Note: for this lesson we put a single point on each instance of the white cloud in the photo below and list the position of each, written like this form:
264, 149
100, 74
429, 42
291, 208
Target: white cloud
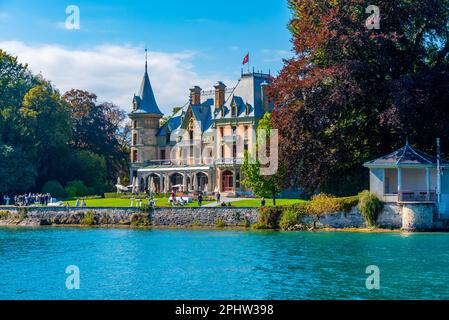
114, 72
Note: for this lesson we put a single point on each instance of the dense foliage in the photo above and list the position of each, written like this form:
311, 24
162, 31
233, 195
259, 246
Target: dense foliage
370, 207
290, 217
351, 94
48, 140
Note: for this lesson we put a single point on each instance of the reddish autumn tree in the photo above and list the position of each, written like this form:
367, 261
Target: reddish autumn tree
352, 93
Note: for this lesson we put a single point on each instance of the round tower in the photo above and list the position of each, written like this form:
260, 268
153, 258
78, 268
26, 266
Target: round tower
145, 118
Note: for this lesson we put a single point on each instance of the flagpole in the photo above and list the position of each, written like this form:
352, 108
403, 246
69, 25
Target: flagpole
248, 62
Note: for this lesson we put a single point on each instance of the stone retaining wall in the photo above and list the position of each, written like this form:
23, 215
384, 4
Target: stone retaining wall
35, 216
410, 217
389, 218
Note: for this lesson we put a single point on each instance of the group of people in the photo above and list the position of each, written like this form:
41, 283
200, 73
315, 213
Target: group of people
27, 199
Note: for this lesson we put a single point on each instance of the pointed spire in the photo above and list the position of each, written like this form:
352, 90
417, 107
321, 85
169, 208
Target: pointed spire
146, 60
146, 101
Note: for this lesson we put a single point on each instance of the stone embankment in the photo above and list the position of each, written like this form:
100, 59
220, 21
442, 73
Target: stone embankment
190, 216
407, 216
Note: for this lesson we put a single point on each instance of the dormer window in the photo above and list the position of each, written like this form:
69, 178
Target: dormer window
246, 110
222, 112
233, 111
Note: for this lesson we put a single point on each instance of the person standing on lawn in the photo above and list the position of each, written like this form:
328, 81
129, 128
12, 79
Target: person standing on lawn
200, 200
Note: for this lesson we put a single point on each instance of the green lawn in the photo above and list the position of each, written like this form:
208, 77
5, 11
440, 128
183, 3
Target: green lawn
117, 202
162, 202
269, 202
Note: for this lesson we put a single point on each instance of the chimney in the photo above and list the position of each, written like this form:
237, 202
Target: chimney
220, 89
195, 95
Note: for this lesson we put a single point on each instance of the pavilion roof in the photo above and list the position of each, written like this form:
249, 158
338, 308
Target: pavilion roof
406, 156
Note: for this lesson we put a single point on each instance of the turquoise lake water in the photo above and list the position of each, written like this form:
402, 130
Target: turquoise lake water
187, 264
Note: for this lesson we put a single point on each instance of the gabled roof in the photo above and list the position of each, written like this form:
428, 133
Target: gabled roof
246, 96
247, 93
145, 100
203, 115
171, 125
406, 156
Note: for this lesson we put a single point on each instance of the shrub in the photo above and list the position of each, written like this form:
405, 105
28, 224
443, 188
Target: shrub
322, 203
76, 189
259, 226
54, 188
269, 217
4, 214
219, 223
347, 203
88, 219
291, 216
370, 207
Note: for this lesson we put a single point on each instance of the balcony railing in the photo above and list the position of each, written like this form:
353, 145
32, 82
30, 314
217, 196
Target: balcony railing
191, 161
417, 196
229, 161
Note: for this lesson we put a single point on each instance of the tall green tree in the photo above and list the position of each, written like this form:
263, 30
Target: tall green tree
46, 131
261, 185
352, 93
17, 173
97, 128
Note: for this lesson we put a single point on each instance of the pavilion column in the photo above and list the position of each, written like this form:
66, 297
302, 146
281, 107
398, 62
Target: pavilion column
428, 184
234, 176
399, 182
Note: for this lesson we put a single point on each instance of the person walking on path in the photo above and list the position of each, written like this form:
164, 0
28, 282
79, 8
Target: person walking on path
218, 196
262, 202
200, 200
77, 203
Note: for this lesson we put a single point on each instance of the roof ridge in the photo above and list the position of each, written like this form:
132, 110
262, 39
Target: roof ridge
416, 153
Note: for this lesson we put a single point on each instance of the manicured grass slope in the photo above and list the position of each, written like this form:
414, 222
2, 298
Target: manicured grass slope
117, 202
162, 202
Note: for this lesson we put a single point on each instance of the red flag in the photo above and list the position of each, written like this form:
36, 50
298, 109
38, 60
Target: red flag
246, 59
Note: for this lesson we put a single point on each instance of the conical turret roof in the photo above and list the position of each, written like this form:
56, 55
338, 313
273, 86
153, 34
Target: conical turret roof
145, 100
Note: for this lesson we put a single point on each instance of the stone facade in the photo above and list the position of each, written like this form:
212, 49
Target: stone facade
418, 216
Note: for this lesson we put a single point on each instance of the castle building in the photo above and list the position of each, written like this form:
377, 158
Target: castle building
201, 147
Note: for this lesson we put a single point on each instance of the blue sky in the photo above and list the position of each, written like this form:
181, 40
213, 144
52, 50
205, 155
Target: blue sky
199, 41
